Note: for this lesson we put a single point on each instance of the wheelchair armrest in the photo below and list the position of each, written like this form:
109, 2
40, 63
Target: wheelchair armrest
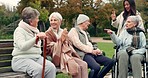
93, 43
146, 46
115, 47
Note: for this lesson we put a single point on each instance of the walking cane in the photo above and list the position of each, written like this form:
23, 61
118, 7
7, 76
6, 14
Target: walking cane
44, 54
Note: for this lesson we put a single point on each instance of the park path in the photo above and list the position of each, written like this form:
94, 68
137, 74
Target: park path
100, 39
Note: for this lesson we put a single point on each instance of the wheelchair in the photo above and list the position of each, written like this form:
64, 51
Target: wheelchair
115, 71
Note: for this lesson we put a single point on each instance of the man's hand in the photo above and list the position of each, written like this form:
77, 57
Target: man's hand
97, 52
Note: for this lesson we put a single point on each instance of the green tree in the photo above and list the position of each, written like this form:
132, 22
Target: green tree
40, 7
6, 18
69, 9
142, 7
98, 11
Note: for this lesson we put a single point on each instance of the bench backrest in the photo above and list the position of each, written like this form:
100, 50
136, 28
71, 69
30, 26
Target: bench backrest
6, 47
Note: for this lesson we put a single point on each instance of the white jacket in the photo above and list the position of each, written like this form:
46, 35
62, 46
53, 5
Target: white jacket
24, 44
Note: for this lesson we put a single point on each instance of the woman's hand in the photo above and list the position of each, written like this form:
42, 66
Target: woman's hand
64, 35
109, 31
41, 35
113, 15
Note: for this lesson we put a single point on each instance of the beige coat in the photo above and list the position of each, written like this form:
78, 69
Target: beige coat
60, 51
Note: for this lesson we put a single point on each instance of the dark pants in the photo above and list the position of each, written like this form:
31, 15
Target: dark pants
94, 63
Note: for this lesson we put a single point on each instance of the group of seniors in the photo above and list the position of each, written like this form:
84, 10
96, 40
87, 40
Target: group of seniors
62, 46
75, 46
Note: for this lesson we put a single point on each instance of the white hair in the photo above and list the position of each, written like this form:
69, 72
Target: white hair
56, 15
135, 19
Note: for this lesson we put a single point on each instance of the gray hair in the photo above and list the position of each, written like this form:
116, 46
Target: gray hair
56, 15
135, 19
29, 13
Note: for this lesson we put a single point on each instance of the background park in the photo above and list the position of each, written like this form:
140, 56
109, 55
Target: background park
98, 11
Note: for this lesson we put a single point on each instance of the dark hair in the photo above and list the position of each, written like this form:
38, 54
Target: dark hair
132, 9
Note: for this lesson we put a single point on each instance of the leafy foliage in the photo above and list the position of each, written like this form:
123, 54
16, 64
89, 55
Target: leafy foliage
7, 17
98, 11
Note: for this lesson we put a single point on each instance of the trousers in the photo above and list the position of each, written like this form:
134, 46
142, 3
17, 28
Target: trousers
33, 67
94, 63
135, 60
82, 70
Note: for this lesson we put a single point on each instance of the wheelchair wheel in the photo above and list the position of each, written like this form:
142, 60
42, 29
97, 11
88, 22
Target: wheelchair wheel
115, 69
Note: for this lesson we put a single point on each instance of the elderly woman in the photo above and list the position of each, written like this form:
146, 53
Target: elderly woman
26, 53
132, 44
129, 9
61, 50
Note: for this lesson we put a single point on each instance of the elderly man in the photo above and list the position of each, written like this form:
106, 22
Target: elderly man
93, 56
132, 44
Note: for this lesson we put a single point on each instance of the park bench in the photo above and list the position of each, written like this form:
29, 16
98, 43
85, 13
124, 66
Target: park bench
6, 47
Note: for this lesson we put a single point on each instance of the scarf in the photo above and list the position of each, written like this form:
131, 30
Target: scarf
60, 51
30, 29
136, 39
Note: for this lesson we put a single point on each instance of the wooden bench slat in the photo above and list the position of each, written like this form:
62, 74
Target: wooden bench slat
6, 50
5, 57
5, 63
5, 69
14, 75
2, 45
6, 41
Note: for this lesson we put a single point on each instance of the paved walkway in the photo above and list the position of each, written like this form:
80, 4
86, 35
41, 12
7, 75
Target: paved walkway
99, 39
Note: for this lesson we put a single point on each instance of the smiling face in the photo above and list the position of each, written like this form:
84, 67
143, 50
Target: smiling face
55, 23
127, 6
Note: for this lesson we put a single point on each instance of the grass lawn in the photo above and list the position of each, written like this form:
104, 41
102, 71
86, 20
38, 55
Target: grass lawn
62, 75
106, 47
